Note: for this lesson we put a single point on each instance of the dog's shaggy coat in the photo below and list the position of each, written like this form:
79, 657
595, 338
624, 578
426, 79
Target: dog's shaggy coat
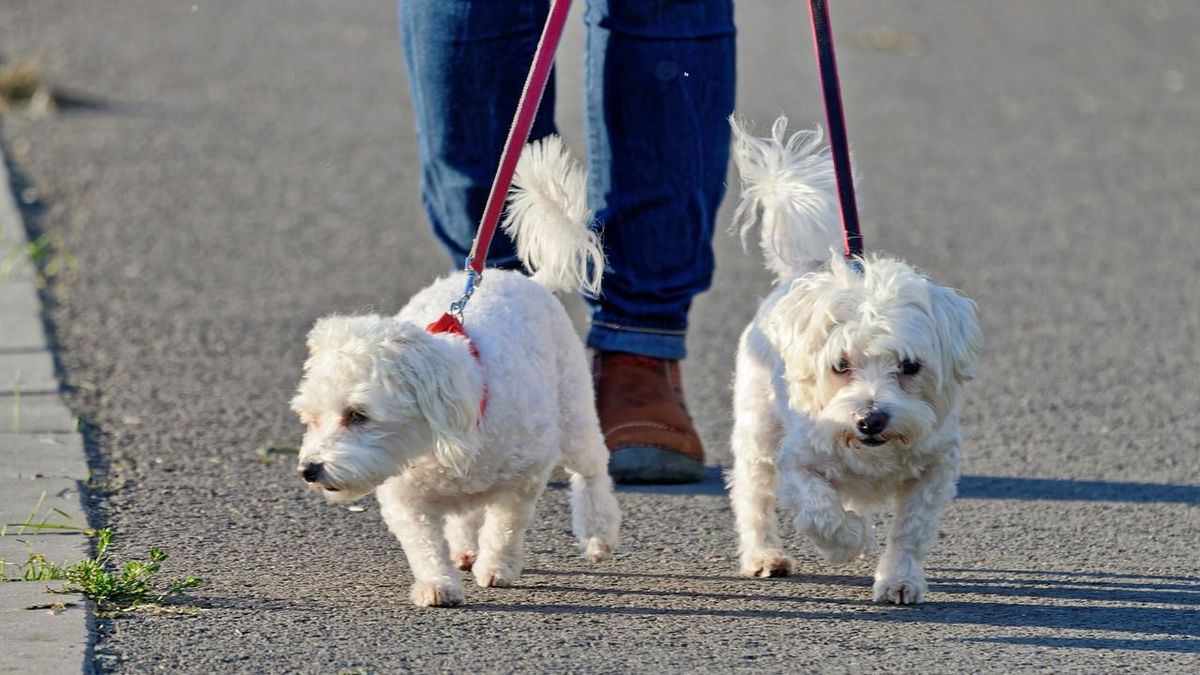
848, 385
394, 408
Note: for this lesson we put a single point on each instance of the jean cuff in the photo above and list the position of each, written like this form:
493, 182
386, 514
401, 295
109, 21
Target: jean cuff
659, 344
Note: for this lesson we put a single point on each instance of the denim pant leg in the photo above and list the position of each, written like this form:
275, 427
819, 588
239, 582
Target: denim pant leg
467, 62
659, 88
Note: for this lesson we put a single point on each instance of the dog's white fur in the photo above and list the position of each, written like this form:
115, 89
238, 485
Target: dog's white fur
394, 409
796, 436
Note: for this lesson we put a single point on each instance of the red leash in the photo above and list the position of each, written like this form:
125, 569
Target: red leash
836, 121
451, 322
518, 134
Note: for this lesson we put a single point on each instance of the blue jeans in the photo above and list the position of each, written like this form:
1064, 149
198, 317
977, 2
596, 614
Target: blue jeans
659, 86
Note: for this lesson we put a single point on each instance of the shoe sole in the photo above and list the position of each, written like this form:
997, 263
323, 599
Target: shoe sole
648, 465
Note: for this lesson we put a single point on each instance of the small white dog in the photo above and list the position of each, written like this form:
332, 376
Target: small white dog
458, 435
848, 385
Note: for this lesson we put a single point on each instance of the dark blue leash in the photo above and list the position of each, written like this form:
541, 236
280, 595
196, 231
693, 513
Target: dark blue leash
836, 121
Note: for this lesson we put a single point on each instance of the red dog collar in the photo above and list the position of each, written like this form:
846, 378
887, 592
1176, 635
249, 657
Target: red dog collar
449, 323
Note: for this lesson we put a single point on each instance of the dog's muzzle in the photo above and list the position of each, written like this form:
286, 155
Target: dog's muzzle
312, 472
871, 424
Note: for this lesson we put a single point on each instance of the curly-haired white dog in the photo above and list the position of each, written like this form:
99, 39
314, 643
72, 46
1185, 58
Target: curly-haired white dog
456, 434
848, 384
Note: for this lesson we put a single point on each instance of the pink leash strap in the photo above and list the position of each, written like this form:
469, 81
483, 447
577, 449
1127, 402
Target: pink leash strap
836, 121
518, 134
531, 96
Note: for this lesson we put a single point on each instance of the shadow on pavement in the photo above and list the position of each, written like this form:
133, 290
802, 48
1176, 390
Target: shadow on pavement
1193, 582
1060, 590
991, 487
996, 487
1176, 622
1182, 645
1104, 591
1146, 620
1170, 617
713, 484
837, 579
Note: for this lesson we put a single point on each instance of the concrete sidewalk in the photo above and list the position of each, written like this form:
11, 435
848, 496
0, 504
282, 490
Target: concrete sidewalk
42, 466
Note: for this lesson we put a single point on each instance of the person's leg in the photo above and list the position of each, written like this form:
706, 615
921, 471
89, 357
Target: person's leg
660, 87
467, 62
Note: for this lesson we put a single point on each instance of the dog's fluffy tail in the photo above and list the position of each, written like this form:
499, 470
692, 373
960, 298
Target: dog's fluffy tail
788, 185
549, 220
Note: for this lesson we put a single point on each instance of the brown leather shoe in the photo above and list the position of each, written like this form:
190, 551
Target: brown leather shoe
650, 436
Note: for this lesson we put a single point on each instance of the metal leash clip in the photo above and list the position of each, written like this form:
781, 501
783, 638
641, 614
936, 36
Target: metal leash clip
474, 279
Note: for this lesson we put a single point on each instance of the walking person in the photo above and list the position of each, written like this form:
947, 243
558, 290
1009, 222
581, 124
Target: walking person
659, 85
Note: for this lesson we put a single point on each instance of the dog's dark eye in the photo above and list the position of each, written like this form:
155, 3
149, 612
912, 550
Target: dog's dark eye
355, 417
842, 366
910, 367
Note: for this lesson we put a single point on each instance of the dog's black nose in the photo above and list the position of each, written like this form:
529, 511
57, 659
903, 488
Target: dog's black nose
310, 471
872, 422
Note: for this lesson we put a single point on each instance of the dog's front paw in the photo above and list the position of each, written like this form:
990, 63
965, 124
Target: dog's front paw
847, 542
436, 594
597, 550
463, 560
491, 573
769, 562
900, 590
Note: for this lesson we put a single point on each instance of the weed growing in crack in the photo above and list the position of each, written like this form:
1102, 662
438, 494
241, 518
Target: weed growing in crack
46, 253
115, 589
131, 587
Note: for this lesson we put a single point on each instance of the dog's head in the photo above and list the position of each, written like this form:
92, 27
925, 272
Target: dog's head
878, 359
377, 394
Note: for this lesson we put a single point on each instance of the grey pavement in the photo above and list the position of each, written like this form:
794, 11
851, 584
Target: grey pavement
242, 168
34, 414
34, 455
42, 466
20, 299
43, 633
28, 372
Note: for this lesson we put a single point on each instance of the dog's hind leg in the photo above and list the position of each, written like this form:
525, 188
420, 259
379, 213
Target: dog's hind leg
502, 537
595, 515
752, 480
462, 531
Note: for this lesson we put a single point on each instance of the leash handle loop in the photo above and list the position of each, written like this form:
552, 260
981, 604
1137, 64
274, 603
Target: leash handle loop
836, 121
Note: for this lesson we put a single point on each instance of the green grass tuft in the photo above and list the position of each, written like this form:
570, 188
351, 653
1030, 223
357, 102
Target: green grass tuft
46, 253
114, 588
130, 587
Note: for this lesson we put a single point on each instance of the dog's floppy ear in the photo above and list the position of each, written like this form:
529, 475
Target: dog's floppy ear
798, 327
445, 392
791, 327
802, 321
957, 326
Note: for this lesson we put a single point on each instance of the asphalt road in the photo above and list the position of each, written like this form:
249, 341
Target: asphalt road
231, 170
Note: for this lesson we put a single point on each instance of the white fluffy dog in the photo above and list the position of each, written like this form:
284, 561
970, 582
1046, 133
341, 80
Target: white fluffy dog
458, 435
848, 385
